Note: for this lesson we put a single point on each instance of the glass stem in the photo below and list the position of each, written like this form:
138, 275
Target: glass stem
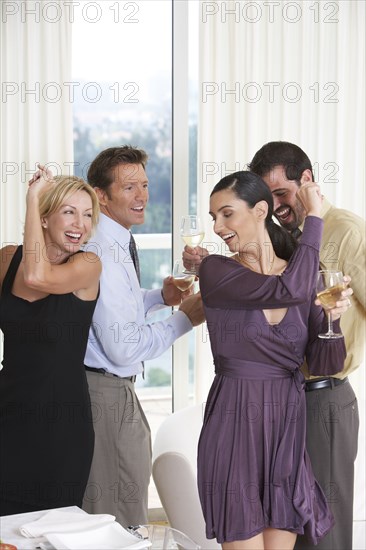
330, 323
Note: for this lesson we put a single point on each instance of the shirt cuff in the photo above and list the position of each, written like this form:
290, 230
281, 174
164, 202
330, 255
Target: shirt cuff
153, 298
182, 323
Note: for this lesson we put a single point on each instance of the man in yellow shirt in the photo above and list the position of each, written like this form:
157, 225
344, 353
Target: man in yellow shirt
332, 412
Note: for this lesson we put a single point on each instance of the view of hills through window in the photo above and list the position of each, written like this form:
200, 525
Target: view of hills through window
145, 124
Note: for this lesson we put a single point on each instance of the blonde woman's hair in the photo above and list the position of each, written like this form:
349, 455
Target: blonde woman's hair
65, 186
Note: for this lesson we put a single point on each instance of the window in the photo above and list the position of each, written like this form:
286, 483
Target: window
123, 95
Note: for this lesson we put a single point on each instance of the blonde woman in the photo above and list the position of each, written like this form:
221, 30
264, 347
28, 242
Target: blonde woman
49, 289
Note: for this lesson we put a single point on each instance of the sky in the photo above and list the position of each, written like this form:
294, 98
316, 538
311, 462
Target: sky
130, 40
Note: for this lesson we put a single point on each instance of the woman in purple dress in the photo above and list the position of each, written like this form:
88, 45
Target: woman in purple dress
255, 480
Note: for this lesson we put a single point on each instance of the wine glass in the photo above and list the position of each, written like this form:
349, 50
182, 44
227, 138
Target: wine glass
182, 278
329, 290
191, 230
192, 233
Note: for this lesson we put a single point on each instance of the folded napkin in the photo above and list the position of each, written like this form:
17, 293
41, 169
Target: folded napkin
107, 537
58, 521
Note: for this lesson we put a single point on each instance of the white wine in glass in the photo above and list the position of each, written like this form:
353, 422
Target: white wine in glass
191, 230
192, 233
328, 291
182, 278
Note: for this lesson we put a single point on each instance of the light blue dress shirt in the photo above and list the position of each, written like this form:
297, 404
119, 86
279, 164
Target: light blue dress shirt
119, 338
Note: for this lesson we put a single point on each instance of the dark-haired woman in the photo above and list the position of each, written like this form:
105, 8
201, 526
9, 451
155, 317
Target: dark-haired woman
256, 484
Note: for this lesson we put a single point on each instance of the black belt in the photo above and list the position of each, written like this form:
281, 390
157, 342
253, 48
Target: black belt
104, 372
311, 385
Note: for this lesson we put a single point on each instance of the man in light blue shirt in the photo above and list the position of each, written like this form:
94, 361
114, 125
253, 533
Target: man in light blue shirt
120, 340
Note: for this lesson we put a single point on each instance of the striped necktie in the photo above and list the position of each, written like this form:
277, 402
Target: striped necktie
134, 256
136, 263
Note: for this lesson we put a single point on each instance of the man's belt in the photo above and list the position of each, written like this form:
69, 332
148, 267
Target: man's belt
311, 385
104, 372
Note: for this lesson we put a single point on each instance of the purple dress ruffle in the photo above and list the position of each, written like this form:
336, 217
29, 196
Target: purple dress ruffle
253, 469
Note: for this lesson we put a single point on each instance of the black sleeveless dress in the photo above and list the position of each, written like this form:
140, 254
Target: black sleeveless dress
46, 432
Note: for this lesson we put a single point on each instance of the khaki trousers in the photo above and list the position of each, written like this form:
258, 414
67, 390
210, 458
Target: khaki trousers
121, 467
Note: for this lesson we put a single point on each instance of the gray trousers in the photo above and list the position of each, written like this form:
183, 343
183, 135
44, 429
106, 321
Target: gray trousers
120, 473
331, 441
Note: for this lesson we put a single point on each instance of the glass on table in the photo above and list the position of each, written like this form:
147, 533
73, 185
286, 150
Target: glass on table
161, 537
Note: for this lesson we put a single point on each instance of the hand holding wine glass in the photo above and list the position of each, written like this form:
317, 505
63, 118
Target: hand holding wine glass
182, 278
330, 286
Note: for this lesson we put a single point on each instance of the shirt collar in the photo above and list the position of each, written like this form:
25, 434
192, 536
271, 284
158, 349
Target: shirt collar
326, 206
114, 229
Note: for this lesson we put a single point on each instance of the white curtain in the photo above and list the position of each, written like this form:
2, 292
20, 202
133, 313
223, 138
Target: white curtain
36, 107
291, 71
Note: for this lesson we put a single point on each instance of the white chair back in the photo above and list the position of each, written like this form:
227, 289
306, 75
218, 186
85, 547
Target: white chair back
175, 473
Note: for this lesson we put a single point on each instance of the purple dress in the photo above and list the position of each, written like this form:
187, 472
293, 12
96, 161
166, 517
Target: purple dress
253, 469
